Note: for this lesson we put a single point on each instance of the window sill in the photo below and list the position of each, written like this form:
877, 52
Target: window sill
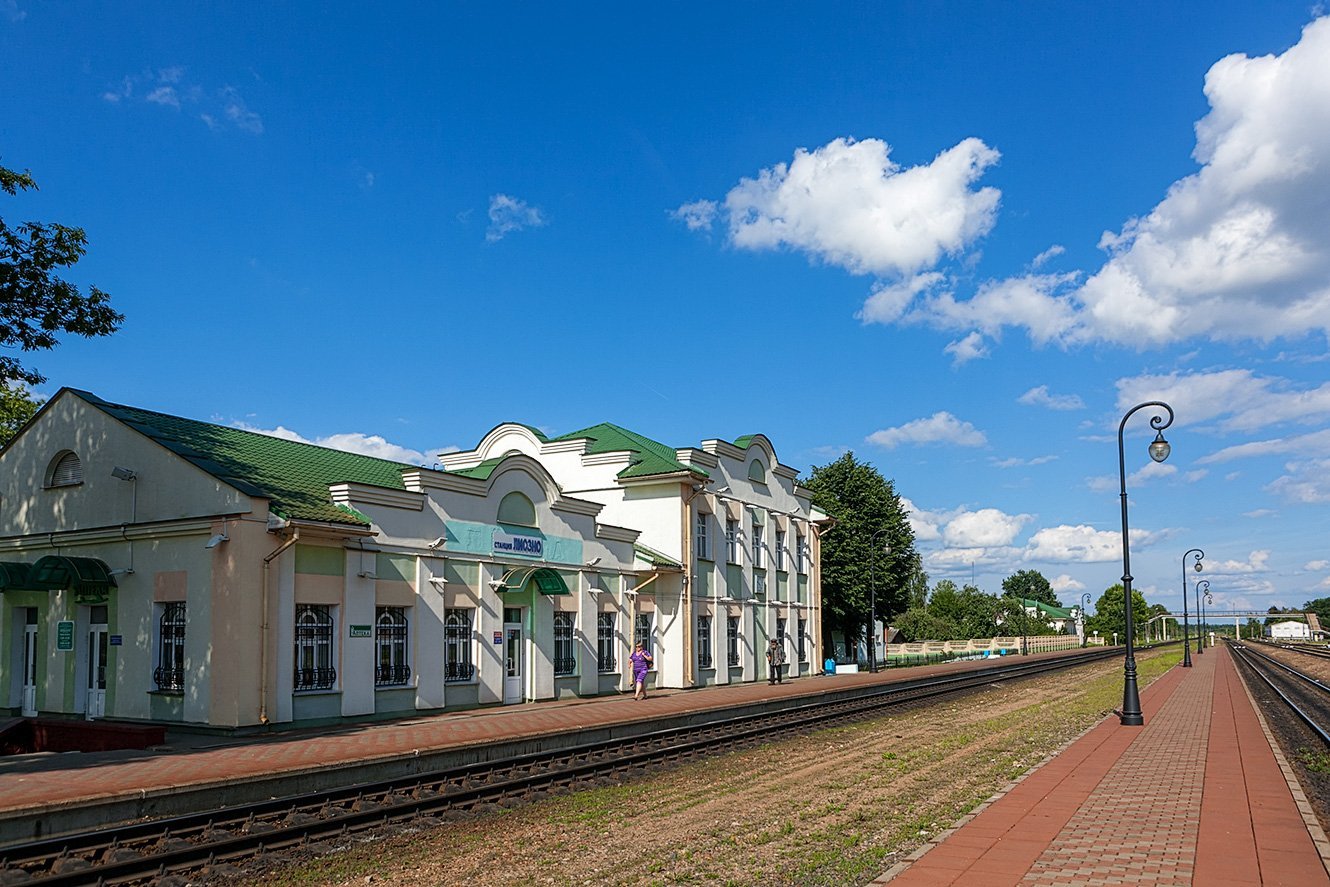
319, 691
167, 693
406, 686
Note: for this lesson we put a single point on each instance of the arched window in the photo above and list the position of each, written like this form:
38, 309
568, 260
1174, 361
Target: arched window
314, 648
757, 472
516, 509
390, 636
65, 470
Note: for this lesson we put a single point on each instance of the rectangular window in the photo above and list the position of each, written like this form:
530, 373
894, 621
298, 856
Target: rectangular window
799, 547
732, 639
780, 631
759, 585
314, 648
799, 641
780, 550
759, 548
643, 633
703, 641
390, 668
457, 666
170, 672
732, 541
605, 642
565, 661
700, 542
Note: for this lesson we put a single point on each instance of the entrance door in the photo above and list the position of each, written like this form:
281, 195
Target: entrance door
29, 705
97, 649
514, 687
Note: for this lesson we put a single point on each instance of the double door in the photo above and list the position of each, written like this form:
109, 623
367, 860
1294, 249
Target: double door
514, 656
28, 706
98, 640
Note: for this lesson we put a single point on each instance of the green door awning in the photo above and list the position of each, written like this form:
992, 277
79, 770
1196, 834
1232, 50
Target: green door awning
83, 575
14, 575
547, 581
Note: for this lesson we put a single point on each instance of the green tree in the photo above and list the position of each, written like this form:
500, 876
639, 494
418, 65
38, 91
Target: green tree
1032, 585
1157, 623
35, 304
917, 624
1111, 616
975, 613
17, 406
871, 543
1321, 607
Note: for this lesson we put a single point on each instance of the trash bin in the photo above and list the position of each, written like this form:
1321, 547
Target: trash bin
829, 666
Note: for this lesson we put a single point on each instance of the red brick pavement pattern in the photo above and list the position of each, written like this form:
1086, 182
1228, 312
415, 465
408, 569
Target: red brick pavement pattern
1195, 797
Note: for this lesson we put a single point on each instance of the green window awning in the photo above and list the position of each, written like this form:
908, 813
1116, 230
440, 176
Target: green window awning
547, 581
14, 575
84, 575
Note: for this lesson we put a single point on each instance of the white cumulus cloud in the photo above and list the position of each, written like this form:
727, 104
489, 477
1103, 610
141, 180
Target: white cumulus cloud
941, 427
1235, 251
985, 528
847, 203
1068, 544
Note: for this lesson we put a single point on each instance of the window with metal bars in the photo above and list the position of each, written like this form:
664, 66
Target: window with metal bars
390, 636
799, 642
457, 664
605, 660
780, 549
732, 639
314, 648
703, 641
170, 672
759, 547
643, 634
565, 660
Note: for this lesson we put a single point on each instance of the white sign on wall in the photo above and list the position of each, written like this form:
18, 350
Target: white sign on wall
526, 546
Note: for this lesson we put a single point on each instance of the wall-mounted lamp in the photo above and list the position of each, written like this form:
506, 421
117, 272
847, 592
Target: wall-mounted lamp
217, 539
593, 562
128, 571
366, 574
123, 473
723, 488
437, 543
497, 585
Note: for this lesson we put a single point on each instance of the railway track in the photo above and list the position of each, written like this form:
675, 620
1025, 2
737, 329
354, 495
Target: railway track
165, 851
1305, 697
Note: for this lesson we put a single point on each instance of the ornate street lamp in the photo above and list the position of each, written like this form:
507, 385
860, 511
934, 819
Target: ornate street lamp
1186, 641
1202, 587
1085, 608
872, 599
1130, 715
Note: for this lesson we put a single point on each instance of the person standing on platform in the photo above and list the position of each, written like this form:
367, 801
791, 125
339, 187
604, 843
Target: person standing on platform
775, 662
641, 660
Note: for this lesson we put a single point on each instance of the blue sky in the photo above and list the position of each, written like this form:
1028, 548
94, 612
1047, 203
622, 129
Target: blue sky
961, 243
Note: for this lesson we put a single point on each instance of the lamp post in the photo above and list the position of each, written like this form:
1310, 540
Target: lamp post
1131, 716
1202, 587
872, 600
1085, 608
1186, 641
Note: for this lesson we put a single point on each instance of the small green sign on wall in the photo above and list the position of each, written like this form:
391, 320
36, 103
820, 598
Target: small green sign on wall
362, 631
64, 635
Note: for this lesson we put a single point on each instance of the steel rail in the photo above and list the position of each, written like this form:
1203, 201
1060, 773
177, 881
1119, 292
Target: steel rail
130, 853
1244, 656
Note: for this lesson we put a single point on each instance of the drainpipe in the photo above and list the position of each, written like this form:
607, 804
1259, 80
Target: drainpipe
689, 669
263, 632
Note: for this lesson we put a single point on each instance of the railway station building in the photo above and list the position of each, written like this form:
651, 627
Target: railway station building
157, 568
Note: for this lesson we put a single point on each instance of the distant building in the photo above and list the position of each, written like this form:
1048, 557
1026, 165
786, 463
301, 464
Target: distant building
1289, 630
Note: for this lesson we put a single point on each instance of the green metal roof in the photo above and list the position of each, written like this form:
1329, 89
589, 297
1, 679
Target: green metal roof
1048, 609
294, 476
649, 457
481, 471
655, 558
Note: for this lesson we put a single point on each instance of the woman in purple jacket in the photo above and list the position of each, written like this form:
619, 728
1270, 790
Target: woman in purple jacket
641, 660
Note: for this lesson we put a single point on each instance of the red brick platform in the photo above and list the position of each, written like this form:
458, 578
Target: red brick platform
1198, 796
